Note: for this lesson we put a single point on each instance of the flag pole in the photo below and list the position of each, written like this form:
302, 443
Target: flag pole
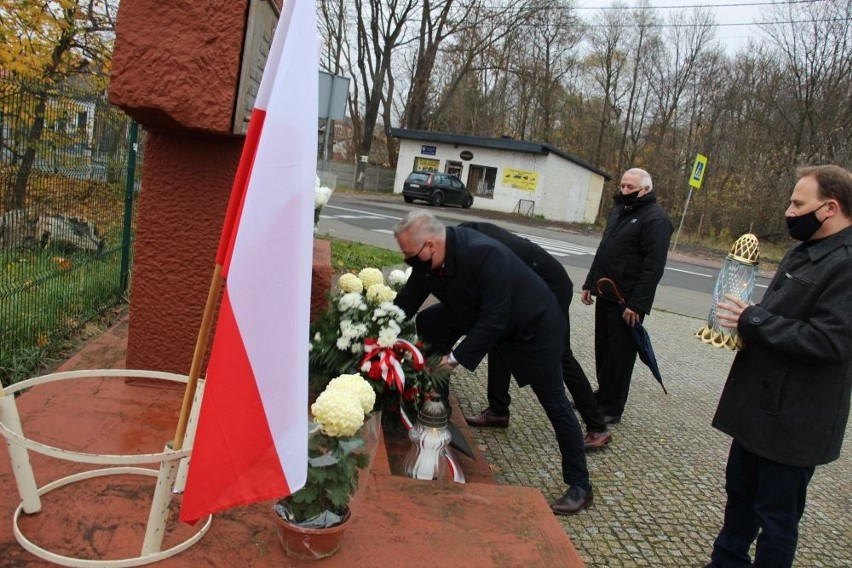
198, 355
235, 203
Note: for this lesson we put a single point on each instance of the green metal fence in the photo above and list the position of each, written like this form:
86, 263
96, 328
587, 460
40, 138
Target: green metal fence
69, 175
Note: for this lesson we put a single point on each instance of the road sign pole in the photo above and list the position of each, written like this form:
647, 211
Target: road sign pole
682, 217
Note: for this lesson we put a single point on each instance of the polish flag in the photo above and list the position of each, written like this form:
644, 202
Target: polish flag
251, 439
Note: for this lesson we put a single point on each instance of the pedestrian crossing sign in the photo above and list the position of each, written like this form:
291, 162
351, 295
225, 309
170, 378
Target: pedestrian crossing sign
698, 171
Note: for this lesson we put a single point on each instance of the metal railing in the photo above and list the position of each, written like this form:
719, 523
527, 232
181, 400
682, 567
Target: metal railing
69, 175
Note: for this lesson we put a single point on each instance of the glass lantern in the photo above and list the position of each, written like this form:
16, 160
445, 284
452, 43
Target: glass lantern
429, 438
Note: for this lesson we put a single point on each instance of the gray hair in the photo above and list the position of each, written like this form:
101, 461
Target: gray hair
419, 224
644, 178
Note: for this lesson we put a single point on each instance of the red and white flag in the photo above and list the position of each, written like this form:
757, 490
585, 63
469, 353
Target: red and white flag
251, 439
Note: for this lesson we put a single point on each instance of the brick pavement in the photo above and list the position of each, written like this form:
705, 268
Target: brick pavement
659, 493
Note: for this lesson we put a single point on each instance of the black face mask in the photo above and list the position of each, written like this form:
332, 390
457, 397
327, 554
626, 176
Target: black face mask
628, 200
416, 263
803, 227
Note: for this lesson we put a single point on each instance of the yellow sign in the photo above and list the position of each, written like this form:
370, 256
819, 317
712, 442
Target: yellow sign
426, 164
520, 179
698, 171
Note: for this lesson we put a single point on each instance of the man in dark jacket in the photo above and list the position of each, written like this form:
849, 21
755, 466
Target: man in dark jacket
786, 400
632, 253
554, 275
487, 294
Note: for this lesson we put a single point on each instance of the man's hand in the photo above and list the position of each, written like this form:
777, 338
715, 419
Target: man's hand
445, 366
586, 298
630, 317
735, 307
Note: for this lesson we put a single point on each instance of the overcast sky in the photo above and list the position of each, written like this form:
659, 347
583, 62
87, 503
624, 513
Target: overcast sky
733, 37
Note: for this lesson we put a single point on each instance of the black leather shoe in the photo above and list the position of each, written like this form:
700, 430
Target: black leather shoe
488, 419
612, 419
575, 500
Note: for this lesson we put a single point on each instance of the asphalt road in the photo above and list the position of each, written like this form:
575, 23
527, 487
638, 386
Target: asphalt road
686, 287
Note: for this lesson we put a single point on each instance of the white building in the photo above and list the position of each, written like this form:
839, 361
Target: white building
507, 175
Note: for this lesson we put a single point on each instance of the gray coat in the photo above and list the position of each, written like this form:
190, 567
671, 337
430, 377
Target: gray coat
787, 394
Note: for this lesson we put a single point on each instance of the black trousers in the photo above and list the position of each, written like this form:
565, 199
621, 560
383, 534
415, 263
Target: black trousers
615, 356
533, 358
572, 374
764, 497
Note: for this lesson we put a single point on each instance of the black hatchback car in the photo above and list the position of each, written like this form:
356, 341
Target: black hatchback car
436, 188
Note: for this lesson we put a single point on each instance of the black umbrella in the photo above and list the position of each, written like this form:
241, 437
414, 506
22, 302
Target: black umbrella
639, 333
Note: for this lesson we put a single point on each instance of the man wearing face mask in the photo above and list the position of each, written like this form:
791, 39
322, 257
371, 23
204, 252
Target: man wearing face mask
632, 253
786, 400
503, 309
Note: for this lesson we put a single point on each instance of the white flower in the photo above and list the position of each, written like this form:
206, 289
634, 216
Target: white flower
351, 301
356, 386
392, 310
370, 276
321, 194
379, 293
389, 334
350, 283
397, 278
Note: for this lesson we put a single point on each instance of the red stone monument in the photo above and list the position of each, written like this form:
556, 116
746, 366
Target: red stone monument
185, 71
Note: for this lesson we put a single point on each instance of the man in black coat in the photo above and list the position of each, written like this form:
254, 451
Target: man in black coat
633, 254
554, 275
786, 400
489, 296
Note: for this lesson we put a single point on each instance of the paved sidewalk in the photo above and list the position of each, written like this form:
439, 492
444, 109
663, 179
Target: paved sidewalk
659, 487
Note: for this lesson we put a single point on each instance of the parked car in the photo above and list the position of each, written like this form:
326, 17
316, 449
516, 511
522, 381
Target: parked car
436, 188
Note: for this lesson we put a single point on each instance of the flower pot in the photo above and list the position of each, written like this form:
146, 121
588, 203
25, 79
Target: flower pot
311, 544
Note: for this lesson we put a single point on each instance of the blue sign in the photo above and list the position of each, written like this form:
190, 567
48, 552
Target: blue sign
428, 150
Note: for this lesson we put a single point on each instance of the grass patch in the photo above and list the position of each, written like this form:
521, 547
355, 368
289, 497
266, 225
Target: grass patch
47, 297
348, 256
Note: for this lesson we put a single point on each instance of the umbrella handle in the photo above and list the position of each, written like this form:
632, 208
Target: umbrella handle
615, 289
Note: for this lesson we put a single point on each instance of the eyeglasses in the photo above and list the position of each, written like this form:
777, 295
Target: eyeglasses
418, 252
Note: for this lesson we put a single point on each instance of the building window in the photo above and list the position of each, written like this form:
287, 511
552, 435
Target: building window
426, 164
454, 168
481, 180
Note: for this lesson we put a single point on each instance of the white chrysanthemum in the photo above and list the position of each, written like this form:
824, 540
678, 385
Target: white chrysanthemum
389, 334
351, 301
338, 412
317, 337
379, 293
397, 278
321, 194
407, 273
350, 283
370, 276
342, 343
395, 312
356, 386
352, 330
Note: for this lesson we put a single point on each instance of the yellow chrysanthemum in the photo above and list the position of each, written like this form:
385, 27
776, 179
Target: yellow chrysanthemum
356, 386
370, 276
350, 283
378, 293
338, 413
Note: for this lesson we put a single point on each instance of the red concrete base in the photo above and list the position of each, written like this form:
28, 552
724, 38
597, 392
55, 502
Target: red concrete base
395, 518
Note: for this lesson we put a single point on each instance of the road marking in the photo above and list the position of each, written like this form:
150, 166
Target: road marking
361, 212
689, 272
557, 247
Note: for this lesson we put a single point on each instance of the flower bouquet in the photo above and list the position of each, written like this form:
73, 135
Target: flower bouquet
312, 520
333, 456
322, 194
362, 330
